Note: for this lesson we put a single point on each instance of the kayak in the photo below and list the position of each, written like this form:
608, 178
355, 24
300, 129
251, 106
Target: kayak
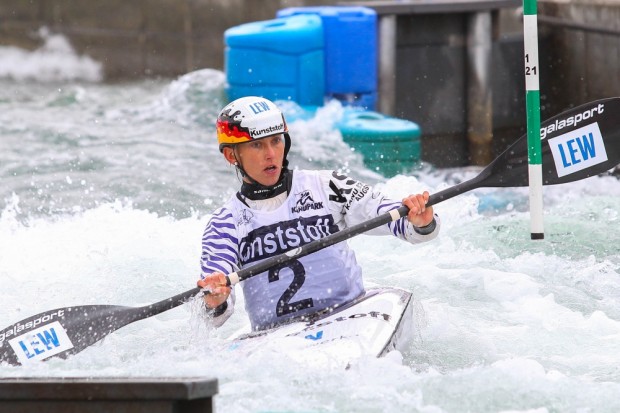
373, 325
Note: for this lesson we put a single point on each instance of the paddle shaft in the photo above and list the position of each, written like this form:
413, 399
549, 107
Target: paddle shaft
296, 253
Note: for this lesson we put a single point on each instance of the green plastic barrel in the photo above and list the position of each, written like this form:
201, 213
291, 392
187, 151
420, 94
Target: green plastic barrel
388, 145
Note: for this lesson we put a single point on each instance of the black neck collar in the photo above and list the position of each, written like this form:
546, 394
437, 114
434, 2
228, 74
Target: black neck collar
257, 191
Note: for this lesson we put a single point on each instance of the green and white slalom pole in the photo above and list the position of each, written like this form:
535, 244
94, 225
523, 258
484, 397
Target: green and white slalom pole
532, 97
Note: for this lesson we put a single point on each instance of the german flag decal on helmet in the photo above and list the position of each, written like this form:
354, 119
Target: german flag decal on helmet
247, 119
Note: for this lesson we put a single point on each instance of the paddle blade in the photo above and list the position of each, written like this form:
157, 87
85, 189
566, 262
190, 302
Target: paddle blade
61, 332
576, 144
69, 330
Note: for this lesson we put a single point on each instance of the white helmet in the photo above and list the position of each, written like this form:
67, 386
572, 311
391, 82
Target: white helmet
249, 118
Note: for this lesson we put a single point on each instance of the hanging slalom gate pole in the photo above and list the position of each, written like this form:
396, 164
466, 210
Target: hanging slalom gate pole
532, 97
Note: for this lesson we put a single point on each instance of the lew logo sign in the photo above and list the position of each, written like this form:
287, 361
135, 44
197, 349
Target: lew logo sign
578, 149
41, 343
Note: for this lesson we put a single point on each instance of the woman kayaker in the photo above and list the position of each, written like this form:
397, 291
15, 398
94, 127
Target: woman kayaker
278, 209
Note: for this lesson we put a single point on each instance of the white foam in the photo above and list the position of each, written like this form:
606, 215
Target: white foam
54, 61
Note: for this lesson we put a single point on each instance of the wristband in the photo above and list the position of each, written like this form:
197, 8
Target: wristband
219, 310
427, 229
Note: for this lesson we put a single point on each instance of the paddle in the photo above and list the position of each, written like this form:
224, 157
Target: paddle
577, 144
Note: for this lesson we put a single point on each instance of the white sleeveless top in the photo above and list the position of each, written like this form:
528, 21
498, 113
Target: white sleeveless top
319, 204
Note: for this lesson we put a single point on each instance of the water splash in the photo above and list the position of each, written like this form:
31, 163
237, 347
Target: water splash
54, 61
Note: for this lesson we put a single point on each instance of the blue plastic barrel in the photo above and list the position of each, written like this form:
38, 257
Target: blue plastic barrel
350, 51
280, 59
388, 145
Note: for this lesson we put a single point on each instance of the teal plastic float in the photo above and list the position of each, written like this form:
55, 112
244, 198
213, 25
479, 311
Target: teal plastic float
388, 145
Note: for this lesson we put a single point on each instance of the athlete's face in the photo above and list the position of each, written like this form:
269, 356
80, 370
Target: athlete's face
262, 159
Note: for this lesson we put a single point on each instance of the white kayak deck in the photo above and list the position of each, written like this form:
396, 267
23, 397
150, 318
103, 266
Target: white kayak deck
372, 325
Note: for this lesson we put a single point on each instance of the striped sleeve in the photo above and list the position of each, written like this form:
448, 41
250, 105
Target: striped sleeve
219, 244
403, 229
398, 227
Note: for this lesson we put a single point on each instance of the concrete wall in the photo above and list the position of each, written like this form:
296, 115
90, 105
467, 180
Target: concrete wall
134, 38
583, 52
432, 78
